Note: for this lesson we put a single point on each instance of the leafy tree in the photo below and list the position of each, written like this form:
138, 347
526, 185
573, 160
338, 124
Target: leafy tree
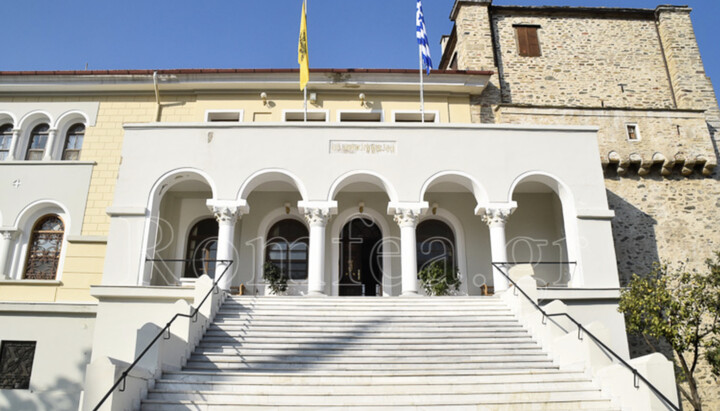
439, 277
275, 278
680, 307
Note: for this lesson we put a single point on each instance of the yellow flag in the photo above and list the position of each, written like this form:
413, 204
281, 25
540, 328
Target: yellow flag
303, 51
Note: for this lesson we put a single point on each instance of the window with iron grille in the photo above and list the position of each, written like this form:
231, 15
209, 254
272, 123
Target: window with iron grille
44, 249
73, 142
38, 140
16, 361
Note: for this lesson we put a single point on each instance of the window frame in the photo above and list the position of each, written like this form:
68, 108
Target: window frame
527, 29
65, 150
31, 137
340, 114
637, 132
59, 254
314, 112
434, 113
210, 113
3, 136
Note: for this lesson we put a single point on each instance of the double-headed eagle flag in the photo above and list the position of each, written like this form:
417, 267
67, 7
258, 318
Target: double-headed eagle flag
422, 38
303, 51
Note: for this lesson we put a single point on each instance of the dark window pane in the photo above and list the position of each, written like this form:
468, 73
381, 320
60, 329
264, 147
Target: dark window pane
44, 249
287, 248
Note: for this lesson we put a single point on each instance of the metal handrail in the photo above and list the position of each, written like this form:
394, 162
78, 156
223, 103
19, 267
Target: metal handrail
192, 315
636, 374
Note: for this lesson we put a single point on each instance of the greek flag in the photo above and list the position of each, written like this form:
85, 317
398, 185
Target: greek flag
422, 38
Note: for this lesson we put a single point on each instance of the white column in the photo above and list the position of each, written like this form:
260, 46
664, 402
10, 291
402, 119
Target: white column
5, 239
496, 218
13, 144
407, 219
317, 218
47, 155
226, 218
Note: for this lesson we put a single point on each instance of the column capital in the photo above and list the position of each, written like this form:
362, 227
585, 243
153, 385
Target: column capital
407, 217
496, 215
317, 217
7, 234
227, 212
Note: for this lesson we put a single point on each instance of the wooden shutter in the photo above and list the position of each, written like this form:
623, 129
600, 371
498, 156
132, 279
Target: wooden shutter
528, 42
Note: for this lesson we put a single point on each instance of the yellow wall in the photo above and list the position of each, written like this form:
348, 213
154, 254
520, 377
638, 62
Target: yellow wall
83, 265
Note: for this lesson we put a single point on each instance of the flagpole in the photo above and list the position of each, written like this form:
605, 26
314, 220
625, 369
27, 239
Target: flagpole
422, 89
305, 89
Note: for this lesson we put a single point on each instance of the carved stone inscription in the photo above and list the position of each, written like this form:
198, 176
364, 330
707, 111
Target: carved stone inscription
363, 147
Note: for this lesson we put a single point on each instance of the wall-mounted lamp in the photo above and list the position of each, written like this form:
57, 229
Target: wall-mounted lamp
361, 207
362, 99
313, 98
287, 208
435, 208
263, 97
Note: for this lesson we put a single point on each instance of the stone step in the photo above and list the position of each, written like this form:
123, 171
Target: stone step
364, 301
359, 349
294, 319
410, 366
291, 329
505, 338
239, 400
304, 358
387, 389
371, 310
326, 334
159, 405
364, 352
381, 378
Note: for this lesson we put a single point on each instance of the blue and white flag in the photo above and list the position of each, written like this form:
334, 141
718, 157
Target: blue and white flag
422, 38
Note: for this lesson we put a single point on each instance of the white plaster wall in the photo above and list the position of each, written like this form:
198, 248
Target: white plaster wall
494, 156
63, 333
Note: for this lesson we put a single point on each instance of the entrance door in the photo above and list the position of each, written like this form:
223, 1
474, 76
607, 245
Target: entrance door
360, 259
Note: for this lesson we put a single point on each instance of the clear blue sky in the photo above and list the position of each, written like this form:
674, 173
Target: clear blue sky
163, 34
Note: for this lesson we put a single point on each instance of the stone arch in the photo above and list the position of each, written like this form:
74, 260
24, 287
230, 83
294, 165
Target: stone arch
569, 217
8, 117
34, 118
154, 226
362, 176
456, 177
271, 175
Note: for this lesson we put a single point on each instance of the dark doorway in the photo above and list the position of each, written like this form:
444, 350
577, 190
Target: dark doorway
360, 259
201, 250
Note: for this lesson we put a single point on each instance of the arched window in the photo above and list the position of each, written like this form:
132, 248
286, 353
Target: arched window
202, 249
73, 142
44, 248
435, 241
287, 248
5, 140
38, 140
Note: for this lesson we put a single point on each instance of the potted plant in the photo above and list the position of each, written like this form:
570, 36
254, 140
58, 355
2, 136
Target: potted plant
440, 277
275, 278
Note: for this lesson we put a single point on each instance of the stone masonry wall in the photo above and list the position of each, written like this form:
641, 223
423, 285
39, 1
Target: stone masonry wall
584, 62
661, 215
